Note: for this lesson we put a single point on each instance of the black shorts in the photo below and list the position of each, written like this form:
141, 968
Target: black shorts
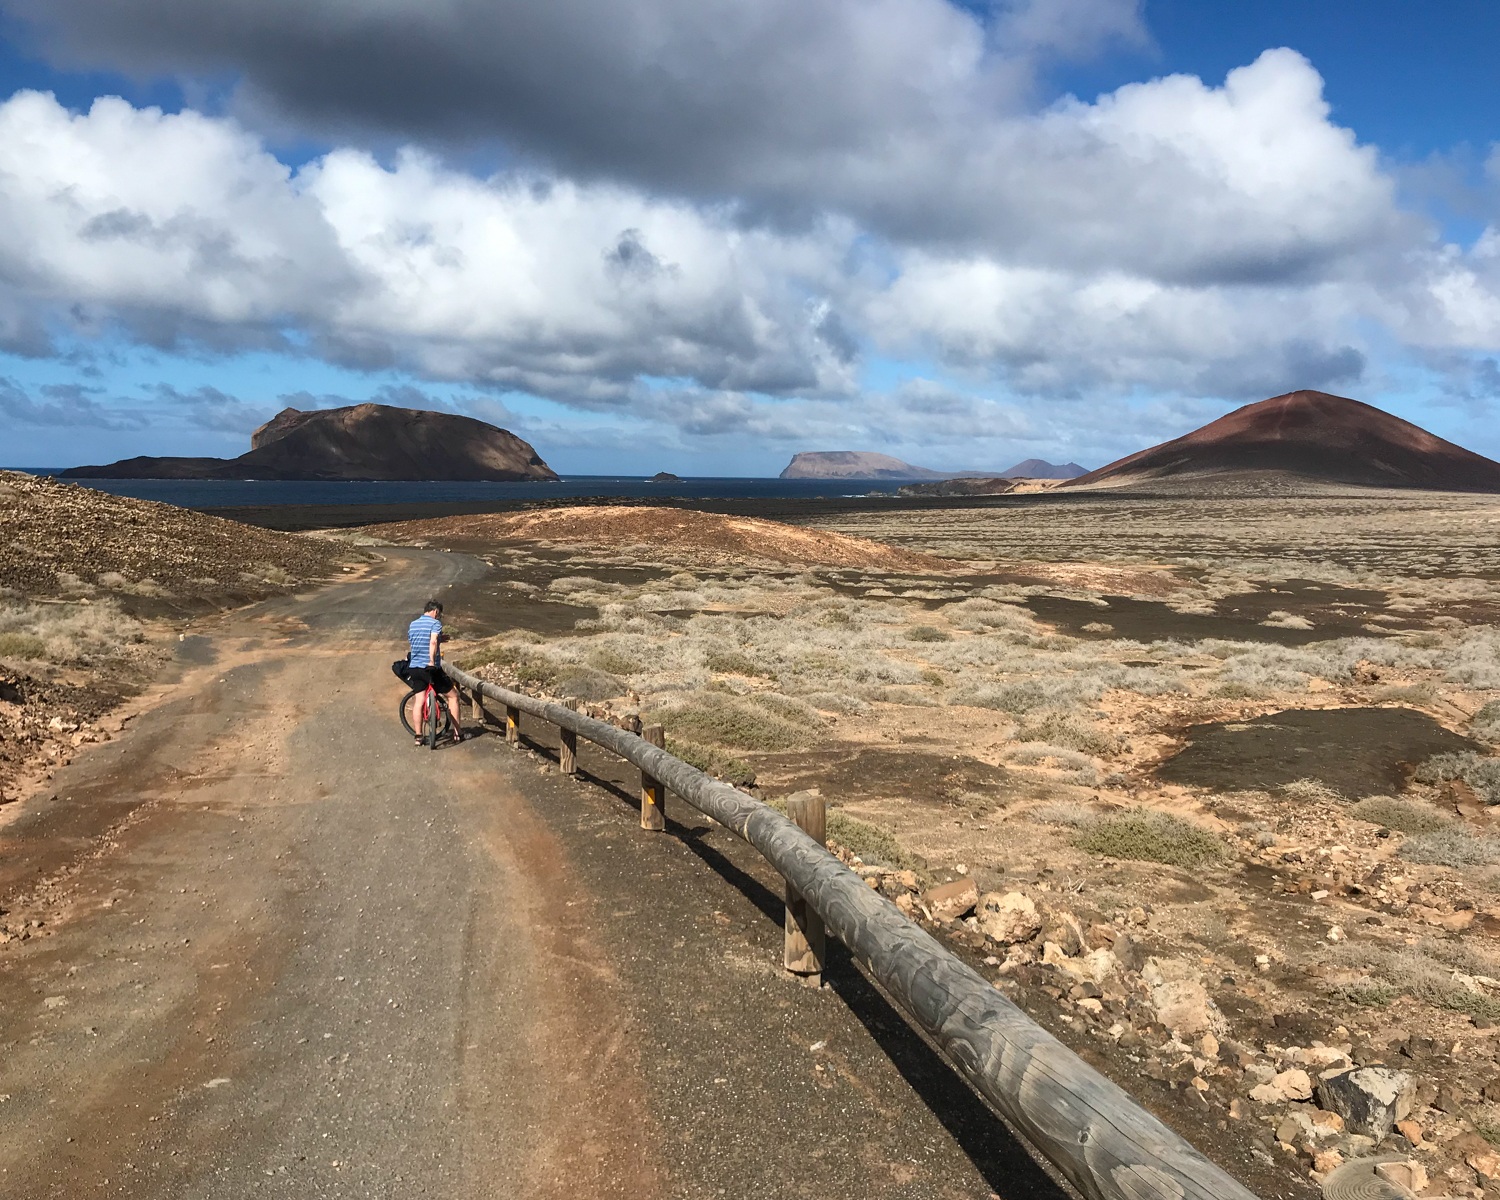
420, 677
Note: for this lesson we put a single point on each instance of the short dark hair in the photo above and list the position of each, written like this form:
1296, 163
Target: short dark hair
433, 606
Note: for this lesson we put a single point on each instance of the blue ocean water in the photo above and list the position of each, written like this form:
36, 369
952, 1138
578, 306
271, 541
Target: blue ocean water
230, 493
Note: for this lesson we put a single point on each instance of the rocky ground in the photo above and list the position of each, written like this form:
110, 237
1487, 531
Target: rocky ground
1213, 803
95, 589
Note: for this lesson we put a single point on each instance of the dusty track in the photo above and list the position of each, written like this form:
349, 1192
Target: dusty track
287, 954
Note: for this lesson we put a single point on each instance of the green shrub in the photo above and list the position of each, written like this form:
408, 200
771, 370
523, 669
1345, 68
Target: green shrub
735, 724
613, 661
584, 683
1144, 836
732, 662
527, 663
1401, 815
789, 708
871, 843
21, 645
927, 633
734, 771
1371, 993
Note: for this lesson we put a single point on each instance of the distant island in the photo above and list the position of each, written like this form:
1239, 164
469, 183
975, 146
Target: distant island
359, 442
665, 477
1304, 435
864, 464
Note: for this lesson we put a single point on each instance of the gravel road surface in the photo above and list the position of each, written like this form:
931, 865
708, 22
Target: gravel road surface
284, 953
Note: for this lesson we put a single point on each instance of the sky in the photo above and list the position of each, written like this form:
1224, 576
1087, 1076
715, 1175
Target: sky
703, 235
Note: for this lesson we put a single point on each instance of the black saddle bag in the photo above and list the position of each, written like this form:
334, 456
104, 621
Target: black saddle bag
401, 668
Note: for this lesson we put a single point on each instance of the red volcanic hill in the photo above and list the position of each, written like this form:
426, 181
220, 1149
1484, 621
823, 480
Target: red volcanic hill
1320, 437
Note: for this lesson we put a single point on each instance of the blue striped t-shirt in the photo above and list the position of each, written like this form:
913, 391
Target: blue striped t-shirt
419, 634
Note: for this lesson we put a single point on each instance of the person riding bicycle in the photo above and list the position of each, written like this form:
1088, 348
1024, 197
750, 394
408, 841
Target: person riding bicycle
425, 663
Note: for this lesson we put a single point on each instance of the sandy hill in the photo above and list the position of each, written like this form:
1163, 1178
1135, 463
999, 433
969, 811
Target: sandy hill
362, 441
1308, 436
668, 534
60, 537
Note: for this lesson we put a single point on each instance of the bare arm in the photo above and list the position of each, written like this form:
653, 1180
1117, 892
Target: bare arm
432, 647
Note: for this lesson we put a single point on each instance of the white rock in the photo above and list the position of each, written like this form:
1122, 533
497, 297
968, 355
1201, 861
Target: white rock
1008, 918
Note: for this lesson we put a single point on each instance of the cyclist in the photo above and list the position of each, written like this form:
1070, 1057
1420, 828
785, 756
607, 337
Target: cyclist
426, 662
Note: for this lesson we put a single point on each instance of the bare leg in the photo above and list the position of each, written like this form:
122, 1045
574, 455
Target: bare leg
452, 699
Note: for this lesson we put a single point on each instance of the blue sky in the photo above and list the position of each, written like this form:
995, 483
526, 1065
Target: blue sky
701, 236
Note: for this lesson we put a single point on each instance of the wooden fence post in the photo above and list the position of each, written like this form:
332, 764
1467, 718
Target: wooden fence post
653, 810
512, 725
803, 950
567, 757
476, 708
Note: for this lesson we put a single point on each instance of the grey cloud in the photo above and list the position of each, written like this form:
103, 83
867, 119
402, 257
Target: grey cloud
909, 115
211, 409
65, 406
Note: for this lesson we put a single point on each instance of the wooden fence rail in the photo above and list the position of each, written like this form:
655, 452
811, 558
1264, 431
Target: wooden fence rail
1102, 1140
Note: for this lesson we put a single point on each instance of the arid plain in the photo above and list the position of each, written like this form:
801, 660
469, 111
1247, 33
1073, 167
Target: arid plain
1220, 770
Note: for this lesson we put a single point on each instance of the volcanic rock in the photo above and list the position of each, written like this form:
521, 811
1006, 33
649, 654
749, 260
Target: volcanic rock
1040, 468
1312, 436
1370, 1099
363, 441
853, 464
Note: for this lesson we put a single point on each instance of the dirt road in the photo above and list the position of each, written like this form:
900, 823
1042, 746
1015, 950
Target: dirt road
284, 953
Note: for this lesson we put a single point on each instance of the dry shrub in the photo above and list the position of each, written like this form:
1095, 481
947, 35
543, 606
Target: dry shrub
1486, 722
1310, 791
1023, 696
1451, 847
1039, 754
927, 633
1439, 973
1480, 773
1476, 659
74, 634
1068, 730
837, 702
1401, 815
1063, 812
1146, 836
1286, 620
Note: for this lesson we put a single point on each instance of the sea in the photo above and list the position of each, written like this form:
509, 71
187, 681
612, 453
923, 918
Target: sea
240, 493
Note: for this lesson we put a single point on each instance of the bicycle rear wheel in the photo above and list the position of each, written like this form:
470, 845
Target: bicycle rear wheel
410, 711
434, 705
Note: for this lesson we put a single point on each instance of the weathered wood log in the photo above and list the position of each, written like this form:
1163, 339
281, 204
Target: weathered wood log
653, 795
1098, 1137
476, 707
512, 724
567, 756
802, 951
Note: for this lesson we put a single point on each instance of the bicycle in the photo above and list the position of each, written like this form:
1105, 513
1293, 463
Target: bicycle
431, 722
